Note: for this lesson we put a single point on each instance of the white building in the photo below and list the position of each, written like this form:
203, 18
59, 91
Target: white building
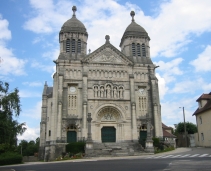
118, 88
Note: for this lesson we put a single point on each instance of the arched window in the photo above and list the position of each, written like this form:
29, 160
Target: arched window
138, 50
143, 50
133, 49
68, 45
73, 45
79, 46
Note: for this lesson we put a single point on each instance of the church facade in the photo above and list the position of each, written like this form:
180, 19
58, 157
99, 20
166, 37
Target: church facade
118, 89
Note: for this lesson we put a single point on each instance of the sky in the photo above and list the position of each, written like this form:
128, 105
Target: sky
180, 33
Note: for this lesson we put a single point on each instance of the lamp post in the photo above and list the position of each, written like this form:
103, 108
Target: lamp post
184, 126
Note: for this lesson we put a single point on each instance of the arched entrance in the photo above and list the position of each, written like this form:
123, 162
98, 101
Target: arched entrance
108, 134
143, 135
71, 136
110, 121
71, 133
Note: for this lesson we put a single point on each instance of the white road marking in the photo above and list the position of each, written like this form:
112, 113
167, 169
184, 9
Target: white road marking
194, 155
186, 155
203, 155
167, 156
157, 157
175, 156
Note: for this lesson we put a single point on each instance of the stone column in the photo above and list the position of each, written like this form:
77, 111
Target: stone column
133, 109
84, 121
59, 121
59, 114
149, 142
89, 142
134, 125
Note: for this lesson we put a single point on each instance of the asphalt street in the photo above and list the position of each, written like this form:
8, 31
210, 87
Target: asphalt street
183, 160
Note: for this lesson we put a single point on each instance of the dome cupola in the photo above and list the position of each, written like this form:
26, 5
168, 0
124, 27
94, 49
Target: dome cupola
73, 39
73, 25
135, 43
134, 30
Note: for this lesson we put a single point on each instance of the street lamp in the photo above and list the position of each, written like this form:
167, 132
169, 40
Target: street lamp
184, 126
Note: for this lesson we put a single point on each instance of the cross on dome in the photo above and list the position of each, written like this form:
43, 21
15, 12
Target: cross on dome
74, 10
132, 14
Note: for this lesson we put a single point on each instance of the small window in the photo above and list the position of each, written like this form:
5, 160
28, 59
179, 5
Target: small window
133, 49
202, 136
138, 50
49, 132
200, 120
79, 46
73, 45
143, 50
68, 45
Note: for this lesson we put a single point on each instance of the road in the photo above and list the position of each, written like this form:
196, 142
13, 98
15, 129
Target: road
197, 159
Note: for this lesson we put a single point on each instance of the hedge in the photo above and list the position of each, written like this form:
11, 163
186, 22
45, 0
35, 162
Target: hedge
75, 147
10, 158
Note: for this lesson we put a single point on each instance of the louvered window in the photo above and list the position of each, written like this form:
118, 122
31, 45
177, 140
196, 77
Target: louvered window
133, 49
68, 45
138, 50
73, 45
79, 46
143, 50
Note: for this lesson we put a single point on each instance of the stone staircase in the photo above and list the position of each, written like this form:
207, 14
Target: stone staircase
115, 149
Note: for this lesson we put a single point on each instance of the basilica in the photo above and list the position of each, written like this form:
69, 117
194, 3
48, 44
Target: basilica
108, 98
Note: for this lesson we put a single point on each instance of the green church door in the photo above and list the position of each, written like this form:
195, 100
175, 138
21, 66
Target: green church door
108, 134
71, 136
143, 137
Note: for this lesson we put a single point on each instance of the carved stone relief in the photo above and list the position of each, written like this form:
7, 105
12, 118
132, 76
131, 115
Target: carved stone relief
108, 114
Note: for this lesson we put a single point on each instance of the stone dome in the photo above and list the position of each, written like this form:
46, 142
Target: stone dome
73, 24
134, 30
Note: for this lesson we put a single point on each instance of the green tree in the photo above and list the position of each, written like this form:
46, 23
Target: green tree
28, 148
10, 108
190, 128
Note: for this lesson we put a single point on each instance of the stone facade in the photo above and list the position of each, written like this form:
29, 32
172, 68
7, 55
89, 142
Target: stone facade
118, 88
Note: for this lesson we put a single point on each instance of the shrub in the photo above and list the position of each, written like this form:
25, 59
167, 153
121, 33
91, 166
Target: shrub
10, 158
75, 147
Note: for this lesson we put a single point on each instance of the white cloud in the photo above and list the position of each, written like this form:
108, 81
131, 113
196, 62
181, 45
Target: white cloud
9, 63
52, 54
169, 69
173, 114
203, 62
5, 34
162, 86
34, 112
43, 67
27, 93
29, 134
190, 86
49, 17
177, 20
170, 30
33, 84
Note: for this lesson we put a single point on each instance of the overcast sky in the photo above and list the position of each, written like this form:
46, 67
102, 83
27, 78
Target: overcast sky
180, 32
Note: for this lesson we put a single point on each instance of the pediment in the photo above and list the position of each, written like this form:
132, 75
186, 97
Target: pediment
108, 54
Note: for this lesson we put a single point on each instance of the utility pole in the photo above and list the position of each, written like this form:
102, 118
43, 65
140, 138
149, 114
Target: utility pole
183, 109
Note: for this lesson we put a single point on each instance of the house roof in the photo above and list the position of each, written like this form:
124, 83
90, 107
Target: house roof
204, 97
166, 133
164, 126
207, 106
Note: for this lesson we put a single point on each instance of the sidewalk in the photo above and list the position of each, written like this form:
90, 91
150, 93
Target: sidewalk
178, 150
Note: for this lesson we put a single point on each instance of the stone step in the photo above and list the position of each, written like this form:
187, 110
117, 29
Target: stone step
121, 154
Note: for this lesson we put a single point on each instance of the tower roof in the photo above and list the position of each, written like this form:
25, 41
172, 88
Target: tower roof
134, 30
73, 24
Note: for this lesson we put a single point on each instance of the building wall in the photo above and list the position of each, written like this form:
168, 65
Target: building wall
204, 128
